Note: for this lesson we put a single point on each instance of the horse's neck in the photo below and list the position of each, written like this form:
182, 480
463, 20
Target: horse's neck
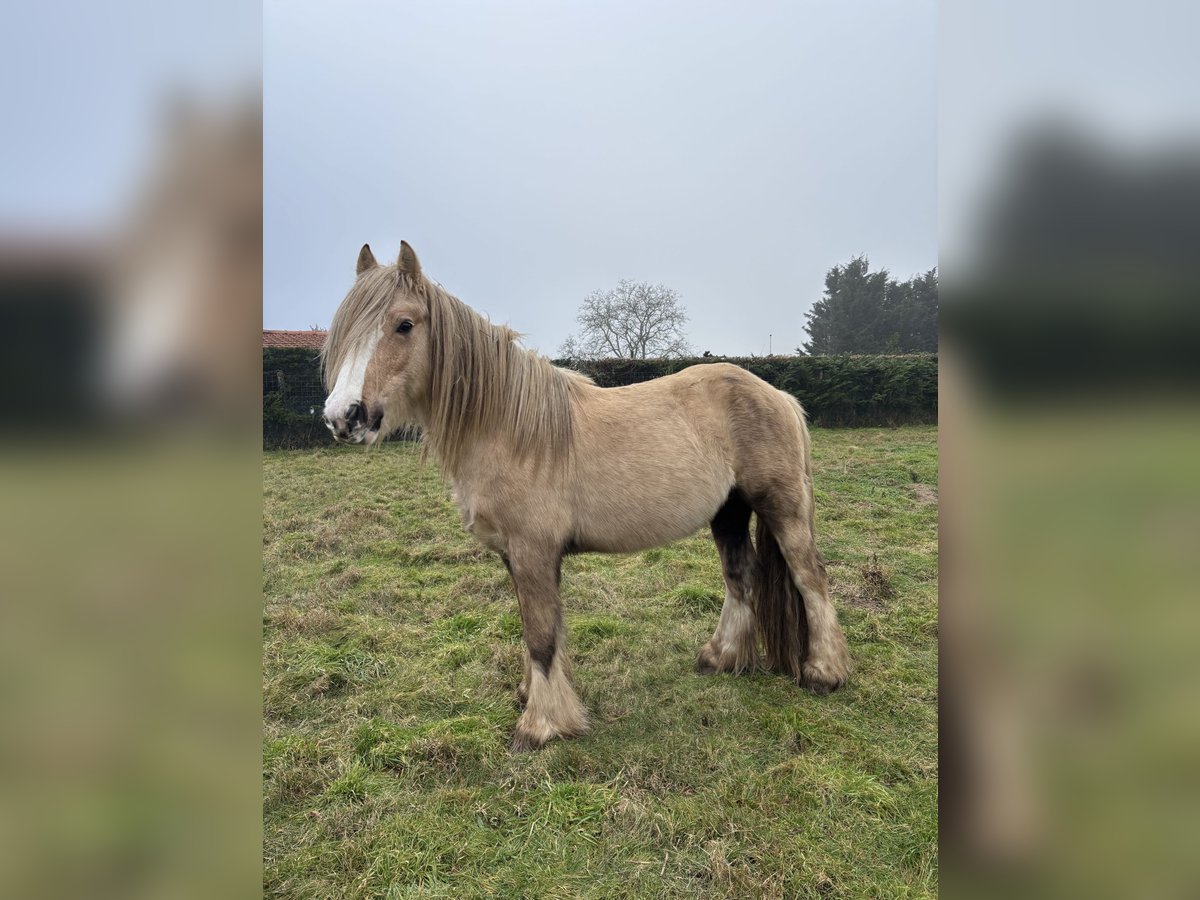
493, 448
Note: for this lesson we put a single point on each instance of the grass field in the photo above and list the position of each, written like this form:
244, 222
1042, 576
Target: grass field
392, 651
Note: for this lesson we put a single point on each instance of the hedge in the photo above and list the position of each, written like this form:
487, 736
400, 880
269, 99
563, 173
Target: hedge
293, 398
837, 391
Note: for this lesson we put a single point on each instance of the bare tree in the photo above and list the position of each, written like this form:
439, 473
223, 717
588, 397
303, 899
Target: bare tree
634, 320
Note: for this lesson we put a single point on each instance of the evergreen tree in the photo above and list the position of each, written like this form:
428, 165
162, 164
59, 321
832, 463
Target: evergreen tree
868, 312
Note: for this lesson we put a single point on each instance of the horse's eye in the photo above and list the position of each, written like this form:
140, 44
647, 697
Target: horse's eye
404, 327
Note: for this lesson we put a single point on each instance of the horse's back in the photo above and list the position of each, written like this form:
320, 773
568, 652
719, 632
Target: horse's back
759, 429
728, 398
719, 405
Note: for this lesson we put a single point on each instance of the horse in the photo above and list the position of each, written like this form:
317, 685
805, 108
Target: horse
545, 463
179, 336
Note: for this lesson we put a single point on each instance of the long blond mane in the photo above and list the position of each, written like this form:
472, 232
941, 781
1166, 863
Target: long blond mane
483, 384
359, 316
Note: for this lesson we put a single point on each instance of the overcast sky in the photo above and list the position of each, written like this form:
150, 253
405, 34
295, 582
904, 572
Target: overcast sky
534, 152
79, 132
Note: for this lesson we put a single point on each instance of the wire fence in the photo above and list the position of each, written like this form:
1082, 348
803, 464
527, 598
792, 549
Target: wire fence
298, 387
293, 399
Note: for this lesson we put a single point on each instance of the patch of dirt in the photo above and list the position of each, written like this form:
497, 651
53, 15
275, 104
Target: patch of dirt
296, 620
925, 494
876, 587
325, 683
327, 538
347, 580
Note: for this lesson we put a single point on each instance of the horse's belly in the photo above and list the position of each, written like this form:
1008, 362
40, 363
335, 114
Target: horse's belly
650, 470
639, 515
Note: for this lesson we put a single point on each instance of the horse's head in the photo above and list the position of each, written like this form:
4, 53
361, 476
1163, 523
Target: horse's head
377, 351
185, 285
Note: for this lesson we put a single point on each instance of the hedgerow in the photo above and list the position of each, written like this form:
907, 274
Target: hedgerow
836, 391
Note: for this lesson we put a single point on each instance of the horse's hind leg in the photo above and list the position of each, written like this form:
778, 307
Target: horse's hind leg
734, 645
523, 687
826, 664
551, 707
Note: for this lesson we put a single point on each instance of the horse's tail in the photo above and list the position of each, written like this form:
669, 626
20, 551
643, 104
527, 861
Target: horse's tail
805, 443
782, 621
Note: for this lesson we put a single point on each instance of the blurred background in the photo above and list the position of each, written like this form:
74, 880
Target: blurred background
1069, 204
130, 299
130, 288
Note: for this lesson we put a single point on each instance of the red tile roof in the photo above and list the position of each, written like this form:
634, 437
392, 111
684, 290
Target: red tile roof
304, 340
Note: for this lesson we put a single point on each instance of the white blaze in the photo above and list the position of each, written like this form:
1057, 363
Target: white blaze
348, 388
148, 329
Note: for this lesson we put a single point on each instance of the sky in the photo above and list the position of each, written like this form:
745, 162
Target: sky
1129, 80
81, 129
533, 152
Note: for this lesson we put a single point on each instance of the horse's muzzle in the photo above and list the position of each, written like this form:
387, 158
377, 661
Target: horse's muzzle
350, 428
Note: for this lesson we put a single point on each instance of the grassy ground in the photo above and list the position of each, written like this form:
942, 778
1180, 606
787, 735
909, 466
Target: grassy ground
393, 650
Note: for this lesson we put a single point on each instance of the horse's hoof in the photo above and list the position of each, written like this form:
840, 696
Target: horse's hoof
534, 730
527, 739
523, 742
712, 662
821, 678
708, 661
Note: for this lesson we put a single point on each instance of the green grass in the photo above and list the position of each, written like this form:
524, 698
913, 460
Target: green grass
392, 651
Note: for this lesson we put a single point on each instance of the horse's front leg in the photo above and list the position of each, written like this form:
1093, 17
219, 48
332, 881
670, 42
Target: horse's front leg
551, 707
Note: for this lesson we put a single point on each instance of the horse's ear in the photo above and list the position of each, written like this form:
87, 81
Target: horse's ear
366, 259
408, 262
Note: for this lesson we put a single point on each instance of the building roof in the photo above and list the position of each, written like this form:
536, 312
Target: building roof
303, 340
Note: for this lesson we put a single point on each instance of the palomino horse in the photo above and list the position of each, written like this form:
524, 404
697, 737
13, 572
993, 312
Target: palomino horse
545, 463
180, 337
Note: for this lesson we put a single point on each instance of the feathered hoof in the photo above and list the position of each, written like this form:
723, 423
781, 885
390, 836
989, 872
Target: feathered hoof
708, 662
527, 741
711, 661
534, 732
823, 676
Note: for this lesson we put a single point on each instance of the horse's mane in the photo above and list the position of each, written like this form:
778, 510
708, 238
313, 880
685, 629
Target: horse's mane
359, 316
483, 384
